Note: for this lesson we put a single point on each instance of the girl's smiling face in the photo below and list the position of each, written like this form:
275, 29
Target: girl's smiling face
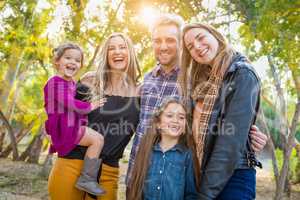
69, 63
172, 121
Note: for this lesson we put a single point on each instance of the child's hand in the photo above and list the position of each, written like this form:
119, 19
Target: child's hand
99, 103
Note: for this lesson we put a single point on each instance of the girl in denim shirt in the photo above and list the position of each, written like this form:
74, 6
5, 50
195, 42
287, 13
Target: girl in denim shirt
164, 168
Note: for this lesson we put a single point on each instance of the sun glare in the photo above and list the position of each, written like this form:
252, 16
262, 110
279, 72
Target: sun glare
148, 15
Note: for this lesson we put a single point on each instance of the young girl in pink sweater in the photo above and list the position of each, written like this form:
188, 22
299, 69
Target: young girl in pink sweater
67, 116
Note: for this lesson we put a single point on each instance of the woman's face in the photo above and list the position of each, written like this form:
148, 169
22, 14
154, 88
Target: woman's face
117, 54
202, 45
172, 121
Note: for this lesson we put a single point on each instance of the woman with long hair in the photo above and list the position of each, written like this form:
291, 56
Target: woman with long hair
115, 84
224, 89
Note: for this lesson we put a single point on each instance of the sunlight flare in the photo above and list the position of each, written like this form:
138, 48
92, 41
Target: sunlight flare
148, 16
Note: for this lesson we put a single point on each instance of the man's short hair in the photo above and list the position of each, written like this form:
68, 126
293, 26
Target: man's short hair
169, 19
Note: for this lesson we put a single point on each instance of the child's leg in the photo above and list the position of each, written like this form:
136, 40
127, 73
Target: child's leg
89, 173
94, 141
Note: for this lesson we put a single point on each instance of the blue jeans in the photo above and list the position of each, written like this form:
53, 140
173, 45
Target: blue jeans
241, 186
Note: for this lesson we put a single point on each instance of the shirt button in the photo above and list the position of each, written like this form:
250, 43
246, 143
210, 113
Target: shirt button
158, 188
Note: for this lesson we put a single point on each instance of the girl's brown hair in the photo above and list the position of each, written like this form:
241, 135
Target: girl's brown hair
143, 157
59, 51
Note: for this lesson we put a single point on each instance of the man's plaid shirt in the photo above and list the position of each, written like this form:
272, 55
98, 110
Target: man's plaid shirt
156, 87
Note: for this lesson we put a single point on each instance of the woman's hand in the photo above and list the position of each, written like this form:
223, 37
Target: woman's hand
88, 78
98, 103
258, 139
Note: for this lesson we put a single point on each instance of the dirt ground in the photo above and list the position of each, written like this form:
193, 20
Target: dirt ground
22, 181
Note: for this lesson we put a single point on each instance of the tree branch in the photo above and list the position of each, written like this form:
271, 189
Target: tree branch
91, 62
11, 135
283, 123
271, 145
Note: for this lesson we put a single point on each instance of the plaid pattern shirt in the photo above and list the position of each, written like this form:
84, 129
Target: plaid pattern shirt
157, 86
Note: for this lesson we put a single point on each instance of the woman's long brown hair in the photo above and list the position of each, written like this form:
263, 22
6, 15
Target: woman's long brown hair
208, 78
193, 73
144, 153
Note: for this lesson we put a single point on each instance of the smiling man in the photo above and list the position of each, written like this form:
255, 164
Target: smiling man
161, 82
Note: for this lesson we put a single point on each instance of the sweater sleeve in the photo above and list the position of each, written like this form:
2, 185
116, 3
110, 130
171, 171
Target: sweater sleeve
64, 95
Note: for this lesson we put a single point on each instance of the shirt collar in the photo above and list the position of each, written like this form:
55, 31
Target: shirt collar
158, 70
177, 147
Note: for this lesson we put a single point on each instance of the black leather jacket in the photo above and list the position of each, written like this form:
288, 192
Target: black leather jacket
233, 114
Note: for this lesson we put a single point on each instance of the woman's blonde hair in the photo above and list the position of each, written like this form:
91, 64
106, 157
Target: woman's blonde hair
102, 79
201, 72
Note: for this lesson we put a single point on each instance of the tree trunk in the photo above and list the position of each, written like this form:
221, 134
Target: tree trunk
2, 135
11, 110
47, 166
36, 148
298, 163
283, 122
11, 135
27, 151
287, 153
270, 145
5, 153
15, 62
22, 133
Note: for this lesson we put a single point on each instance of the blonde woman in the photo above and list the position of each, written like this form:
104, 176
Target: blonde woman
115, 82
225, 92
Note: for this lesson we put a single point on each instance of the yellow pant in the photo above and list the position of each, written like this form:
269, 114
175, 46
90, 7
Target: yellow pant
64, 174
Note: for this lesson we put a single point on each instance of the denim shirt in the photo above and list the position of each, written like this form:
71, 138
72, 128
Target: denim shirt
170, 175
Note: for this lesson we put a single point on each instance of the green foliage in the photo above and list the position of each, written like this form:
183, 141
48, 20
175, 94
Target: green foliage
293, 162
274, 25
27, 40
272, 123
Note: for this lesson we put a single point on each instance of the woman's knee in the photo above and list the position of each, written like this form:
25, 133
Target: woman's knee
62, 178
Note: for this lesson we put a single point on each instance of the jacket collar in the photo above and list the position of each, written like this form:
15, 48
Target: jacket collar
238, 57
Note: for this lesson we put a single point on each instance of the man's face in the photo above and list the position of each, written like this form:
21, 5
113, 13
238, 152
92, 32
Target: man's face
165, 44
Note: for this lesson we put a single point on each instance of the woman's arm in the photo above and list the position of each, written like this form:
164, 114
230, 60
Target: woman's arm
231, 138
88, 78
